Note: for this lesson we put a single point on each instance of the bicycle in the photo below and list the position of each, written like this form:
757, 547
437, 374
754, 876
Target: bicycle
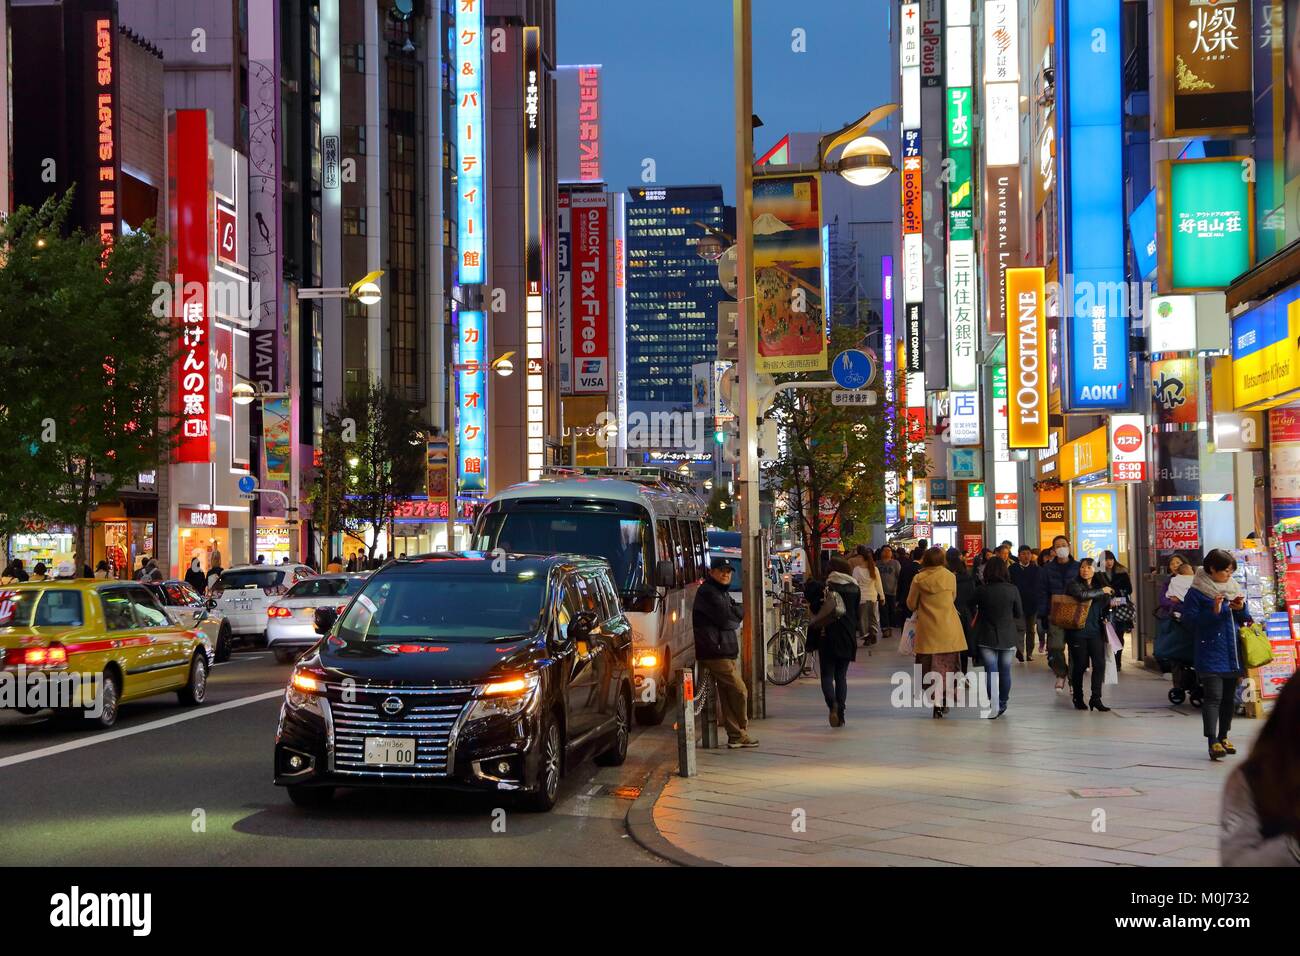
787, 649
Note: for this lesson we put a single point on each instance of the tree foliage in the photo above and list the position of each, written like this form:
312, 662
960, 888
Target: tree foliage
721, 515
85, 360
372, 456
835, 454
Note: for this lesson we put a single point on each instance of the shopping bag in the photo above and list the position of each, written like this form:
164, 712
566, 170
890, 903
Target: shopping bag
907, 643
1112, 671
1112, 639
1256, 651
1067, 613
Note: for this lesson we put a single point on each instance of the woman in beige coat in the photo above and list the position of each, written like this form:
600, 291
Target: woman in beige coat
940, 638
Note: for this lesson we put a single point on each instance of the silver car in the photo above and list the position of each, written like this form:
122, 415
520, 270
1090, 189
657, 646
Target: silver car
244, 593
185, 607
290, 621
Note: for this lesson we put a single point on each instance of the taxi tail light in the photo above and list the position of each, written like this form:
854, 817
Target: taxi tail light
37, 656
277, 611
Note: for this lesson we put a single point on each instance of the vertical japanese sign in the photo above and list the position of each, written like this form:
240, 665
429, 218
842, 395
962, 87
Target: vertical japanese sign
589, 124
964, 418
910, 44
471, 205
533, 159
103, 153
963, 298
1205, 213
1205, 84
888, 356
471, 402
1128, 448
788, 274
1027, 358
590, 346
1091, 151
564, 289
190, 201
277, 437
265, 261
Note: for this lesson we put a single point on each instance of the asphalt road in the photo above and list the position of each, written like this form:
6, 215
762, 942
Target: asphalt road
173, 786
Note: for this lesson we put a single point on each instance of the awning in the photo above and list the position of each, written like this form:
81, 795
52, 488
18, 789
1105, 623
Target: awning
1268, 278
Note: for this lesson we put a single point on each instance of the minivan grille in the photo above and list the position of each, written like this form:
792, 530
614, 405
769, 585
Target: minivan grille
428, 715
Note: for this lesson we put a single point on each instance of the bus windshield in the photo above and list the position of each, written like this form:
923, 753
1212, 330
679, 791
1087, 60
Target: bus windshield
623, 540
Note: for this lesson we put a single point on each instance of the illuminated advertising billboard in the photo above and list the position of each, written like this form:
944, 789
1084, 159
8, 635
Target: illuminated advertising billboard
788, 280
471, 402
471, 201
533, 159
578, 123
1204, 88
1027, 424
190, 205
590, 293
1205, 210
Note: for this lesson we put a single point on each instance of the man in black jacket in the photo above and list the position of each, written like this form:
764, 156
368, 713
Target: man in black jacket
1055, 576
911, 564
1025, 575
715, 617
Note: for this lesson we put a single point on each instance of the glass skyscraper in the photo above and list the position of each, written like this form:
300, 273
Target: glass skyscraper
672, 294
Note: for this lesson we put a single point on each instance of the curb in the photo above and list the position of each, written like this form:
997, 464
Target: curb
641, 827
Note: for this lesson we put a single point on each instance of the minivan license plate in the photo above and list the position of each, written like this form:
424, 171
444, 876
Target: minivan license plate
393, 751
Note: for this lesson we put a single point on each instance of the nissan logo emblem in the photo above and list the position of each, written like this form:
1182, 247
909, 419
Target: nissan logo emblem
392, 706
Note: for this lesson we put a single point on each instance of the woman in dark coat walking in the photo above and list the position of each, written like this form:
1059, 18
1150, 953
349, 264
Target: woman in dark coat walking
1122, 616
1088, 644
1213, 610
965, 602
999, 605
837, 626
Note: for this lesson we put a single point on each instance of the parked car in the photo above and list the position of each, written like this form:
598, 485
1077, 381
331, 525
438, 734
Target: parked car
186, 608
244, 593
117, 631
290, 626
445, 671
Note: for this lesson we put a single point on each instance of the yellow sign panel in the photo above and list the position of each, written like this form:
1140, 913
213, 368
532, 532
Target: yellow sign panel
1026, 359
1096, 508
1086, 455
1266, 357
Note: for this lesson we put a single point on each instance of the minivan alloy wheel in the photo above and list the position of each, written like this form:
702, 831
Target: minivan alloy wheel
551, 761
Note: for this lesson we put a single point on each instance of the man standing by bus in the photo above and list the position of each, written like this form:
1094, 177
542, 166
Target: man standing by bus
715, 617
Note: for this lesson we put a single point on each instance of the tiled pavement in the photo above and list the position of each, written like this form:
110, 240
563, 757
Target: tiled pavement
896, 788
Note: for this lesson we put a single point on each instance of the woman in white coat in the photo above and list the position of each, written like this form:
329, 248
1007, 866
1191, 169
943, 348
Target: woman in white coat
867, 577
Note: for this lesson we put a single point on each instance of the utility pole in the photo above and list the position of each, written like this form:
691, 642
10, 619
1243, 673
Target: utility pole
747, 515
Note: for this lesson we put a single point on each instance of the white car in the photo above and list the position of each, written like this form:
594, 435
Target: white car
244, 593
185, 607
290, 621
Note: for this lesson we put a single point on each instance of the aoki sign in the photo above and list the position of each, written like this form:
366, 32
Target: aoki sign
1026, 359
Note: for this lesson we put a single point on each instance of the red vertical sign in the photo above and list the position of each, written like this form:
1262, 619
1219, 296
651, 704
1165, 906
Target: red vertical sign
590, 294
188, 175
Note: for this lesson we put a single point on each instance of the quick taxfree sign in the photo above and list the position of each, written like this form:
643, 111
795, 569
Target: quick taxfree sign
1026, 359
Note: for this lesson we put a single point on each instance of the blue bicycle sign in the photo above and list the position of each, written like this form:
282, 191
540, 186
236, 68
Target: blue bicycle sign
853, 369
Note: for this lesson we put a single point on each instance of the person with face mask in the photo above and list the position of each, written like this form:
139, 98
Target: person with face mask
1055, 579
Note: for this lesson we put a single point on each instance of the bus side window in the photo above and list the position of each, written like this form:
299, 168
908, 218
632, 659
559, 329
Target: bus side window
664, 546
685, 551
701, 555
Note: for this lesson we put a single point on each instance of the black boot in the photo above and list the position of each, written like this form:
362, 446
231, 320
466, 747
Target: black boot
1096, 704
1078, 702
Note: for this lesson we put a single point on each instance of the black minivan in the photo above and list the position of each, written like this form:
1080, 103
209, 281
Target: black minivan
466, 670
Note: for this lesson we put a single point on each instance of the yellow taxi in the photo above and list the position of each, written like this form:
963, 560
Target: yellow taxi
83, 647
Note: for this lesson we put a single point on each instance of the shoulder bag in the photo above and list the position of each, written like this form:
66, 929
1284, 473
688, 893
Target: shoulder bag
1067, 613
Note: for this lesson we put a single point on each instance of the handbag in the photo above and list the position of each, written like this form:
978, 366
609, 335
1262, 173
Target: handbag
907, 643
1068, 613
1124, 612
1256, 651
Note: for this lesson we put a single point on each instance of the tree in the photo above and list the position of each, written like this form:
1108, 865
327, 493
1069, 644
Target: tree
373, 455
85, 360
836, 455
720, 511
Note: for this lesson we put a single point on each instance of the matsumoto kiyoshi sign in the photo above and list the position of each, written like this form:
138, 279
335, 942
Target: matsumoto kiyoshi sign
1266, 352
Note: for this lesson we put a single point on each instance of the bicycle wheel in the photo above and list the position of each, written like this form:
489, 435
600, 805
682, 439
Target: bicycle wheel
785, 656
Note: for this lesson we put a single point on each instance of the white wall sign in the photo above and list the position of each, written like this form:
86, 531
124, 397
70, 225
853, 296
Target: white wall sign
1171, 320
1002, 124
964, 418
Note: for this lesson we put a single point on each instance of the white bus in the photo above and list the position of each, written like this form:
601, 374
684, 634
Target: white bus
648, 525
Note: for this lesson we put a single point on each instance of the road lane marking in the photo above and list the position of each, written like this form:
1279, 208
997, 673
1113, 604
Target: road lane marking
129, 731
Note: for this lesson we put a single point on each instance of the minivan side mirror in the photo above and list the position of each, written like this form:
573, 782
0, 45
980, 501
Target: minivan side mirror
580, 628
665, 574
323, 619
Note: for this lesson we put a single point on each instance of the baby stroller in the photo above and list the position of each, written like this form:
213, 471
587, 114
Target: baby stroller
1175, 653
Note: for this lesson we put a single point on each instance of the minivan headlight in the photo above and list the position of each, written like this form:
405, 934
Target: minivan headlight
505, 697
645, 658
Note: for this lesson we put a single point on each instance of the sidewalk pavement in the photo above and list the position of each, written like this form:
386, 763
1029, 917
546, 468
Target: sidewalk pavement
1044, 785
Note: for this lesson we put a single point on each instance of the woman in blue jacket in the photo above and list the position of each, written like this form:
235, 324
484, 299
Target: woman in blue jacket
1213, 610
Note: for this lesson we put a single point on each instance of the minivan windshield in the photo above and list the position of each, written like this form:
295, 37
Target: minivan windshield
250, 578
625, 541
448, 608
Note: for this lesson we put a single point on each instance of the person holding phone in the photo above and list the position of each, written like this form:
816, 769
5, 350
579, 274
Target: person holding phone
1214, 609
1088, 646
